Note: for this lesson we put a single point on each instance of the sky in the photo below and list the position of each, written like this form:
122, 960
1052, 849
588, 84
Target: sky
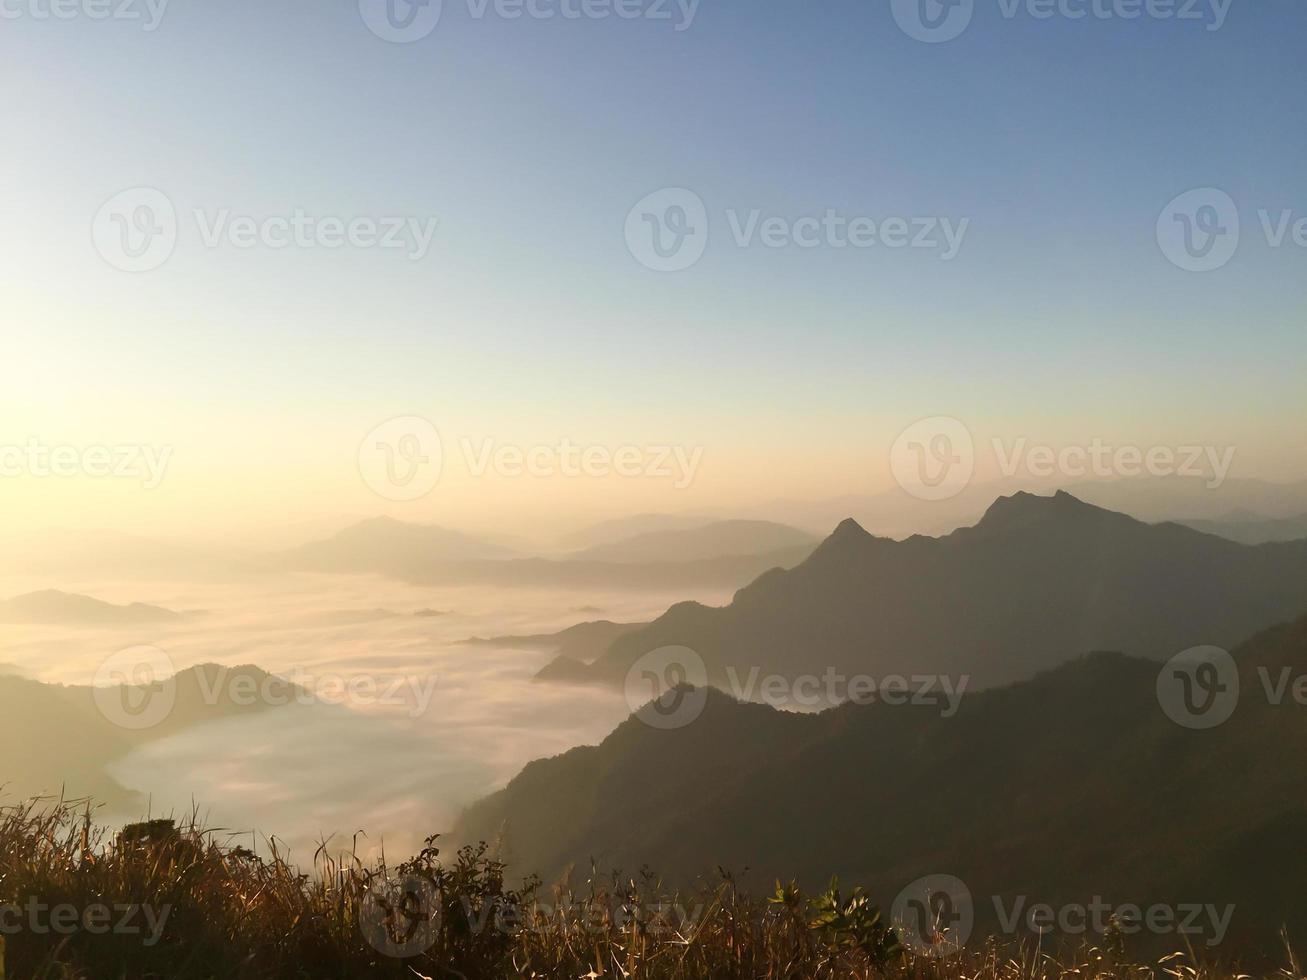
1051, 145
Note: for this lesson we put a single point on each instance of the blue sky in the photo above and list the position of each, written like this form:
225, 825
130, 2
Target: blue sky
1059, 140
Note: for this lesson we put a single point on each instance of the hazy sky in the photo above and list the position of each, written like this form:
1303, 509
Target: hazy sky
1059, 141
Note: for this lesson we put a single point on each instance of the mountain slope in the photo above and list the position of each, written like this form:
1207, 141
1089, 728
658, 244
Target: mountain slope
1067, 786
1037, 581
55, 737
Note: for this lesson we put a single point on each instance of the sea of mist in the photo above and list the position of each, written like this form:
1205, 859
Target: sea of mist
449, 721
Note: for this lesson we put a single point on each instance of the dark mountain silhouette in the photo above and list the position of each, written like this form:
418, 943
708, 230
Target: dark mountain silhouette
716, 540
1038, 580
1070, 785
51, 607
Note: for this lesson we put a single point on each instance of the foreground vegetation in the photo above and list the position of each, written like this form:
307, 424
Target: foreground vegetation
179, 904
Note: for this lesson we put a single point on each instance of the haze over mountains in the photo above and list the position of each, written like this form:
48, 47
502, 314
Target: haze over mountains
1037, 581
1070, 785
1249, 528
726, 552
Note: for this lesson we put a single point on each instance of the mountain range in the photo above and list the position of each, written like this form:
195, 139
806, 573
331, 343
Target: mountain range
1037, 581
726, 553
1067, 786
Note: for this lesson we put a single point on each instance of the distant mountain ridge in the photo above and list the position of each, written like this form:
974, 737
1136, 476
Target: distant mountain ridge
52, 607
1253, 529
387, 546
1036, 581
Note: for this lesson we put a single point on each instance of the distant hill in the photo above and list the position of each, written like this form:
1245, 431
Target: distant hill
389, 547
1070, 785
716, 540
55, 737
1253, 529
51, 607
1038, 580
623, 528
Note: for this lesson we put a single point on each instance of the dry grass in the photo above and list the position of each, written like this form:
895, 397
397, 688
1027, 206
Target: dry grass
230, 913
